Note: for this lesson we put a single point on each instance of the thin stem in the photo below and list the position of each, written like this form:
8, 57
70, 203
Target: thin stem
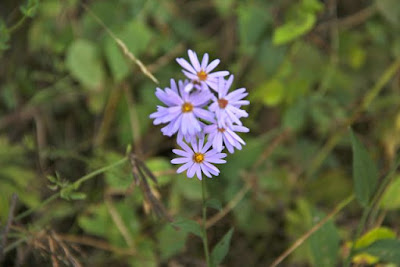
369, 210
17, 25
359, 230
316, 227
89, 176
381, 190
320, 157
205, 241
74, 185
42, 204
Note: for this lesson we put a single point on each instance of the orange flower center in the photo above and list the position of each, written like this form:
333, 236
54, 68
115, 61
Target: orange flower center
202, 75
187, 107
222, 103
221, 130
198, 157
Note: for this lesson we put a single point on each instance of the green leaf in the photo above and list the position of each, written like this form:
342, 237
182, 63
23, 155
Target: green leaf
224, 7
84, 63
30, 8
374, 235
324, 243
97, 220
158, 165
295, 116
189, 188
187, 225
386, 250
252, 24
365, 173
390, 9
391, 198
116, 60
77, 195
221, 248
16, 176
214, 203
301, 22
136, 36
294, 28
4, 36
171, 241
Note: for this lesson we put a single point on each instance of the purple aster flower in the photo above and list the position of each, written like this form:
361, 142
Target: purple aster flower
220, 136
198, 158
189, 137
183, 110
227, 106
200, 74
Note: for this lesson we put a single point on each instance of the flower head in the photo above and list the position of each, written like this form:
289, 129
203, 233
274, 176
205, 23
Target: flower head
200, 73
198, 158
183, 110
225, 135
227, 105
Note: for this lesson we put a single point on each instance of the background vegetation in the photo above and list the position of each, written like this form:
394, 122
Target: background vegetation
73, 99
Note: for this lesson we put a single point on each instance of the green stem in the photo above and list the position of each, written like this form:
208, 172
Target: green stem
74, 186
17, 25
205, 241
381, 190
42, 204
372, 208
15, 244
89, 176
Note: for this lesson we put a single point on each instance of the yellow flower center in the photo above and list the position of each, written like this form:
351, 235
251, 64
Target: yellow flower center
187, 107
221, 130
202, 75
198, 157
222, 103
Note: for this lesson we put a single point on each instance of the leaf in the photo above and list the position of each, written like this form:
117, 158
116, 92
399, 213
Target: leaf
366, 240
98, 220
189, 189
374, 235
214, 203
391, 198
270, 92
171, 241
4, 36
83, 62
136, 36
293, 29
16, 176
188, 226
365, 173
386, 250
160, 165
30, 8
302, 22
77, 196
116, 61
294, 117
324, 243
390, 9
252, 24
221, 248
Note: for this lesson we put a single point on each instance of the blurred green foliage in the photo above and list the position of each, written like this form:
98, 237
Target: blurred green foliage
71, 101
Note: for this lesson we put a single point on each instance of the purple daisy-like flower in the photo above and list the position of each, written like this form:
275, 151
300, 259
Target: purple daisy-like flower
183, 110
227, 106
200, 73
220, 136
198, 159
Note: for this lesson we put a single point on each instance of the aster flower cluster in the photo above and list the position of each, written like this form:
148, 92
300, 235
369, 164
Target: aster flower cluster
203, 114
